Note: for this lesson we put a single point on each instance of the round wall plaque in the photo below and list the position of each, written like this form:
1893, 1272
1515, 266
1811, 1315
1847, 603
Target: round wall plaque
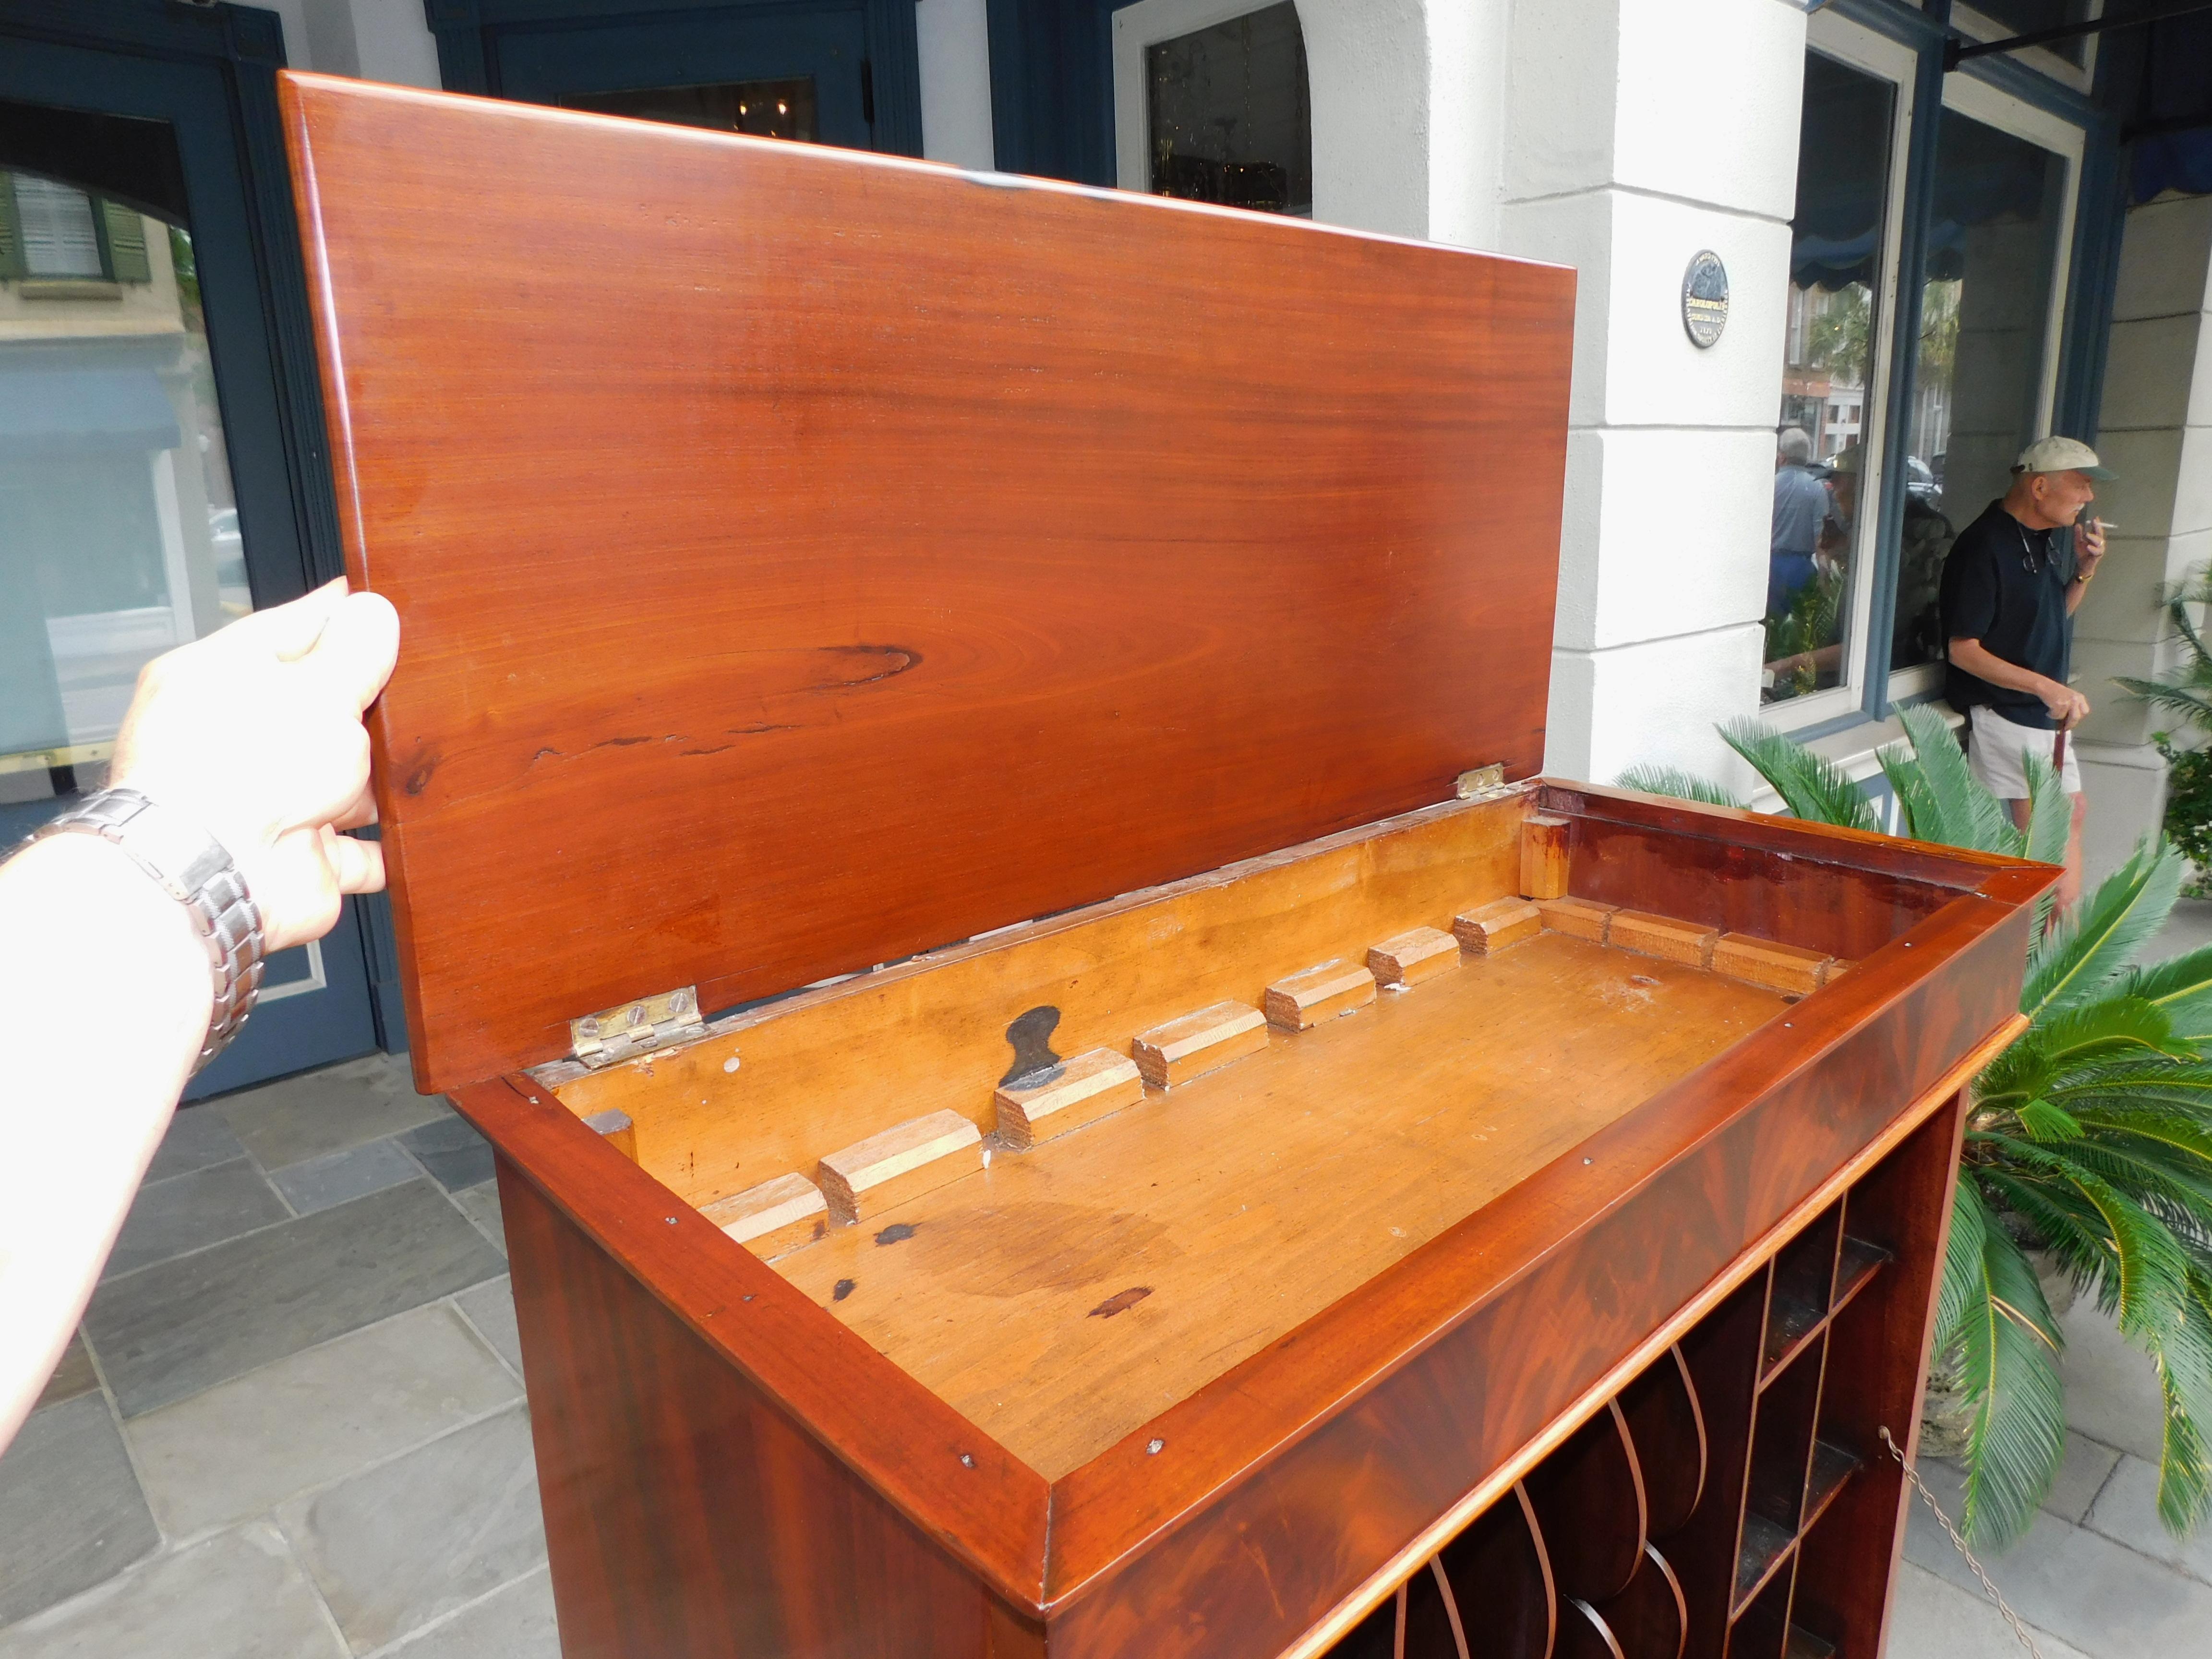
1705, 298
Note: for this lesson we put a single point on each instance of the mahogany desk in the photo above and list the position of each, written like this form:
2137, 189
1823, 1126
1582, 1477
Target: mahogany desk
1203, 1151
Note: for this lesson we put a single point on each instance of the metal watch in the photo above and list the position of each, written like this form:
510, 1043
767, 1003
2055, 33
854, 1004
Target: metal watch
195, 869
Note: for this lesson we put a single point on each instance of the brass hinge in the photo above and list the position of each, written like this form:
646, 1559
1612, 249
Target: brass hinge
1483, 783
636, 1028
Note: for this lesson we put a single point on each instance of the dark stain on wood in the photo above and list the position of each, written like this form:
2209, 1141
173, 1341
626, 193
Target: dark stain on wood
1034, 1063
892, 1234
843, 1288
1121, 1302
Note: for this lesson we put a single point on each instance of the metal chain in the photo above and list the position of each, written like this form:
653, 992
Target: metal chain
1960, 1544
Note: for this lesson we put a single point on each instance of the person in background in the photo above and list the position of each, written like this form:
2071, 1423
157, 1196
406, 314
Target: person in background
1802, 513
132, 928
2011, 584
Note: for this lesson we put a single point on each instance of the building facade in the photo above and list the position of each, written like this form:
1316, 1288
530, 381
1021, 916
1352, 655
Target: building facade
1846, 221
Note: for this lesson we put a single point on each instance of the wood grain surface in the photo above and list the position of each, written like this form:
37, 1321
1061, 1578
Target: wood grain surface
1247, 1200
806, 558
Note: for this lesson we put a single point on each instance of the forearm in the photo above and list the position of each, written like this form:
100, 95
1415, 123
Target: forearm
1969, 655
2077, 591
107, 991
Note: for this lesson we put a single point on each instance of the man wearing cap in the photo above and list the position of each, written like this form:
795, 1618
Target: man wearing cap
2010, 588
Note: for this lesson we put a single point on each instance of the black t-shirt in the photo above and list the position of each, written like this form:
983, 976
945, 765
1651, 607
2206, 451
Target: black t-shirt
2005, 585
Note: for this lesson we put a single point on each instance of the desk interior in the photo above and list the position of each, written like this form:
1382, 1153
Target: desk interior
1062, 1297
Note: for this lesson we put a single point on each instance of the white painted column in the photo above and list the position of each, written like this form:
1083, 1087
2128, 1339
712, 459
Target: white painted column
954, 37
2155, 430
1633, 139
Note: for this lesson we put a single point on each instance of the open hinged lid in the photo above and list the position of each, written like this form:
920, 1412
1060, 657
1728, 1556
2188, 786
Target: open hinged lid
807, 558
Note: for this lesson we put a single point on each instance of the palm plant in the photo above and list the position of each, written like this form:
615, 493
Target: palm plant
2089, 1138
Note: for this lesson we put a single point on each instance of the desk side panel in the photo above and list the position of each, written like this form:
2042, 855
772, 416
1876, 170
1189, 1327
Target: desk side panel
686, 1516
1275, 1551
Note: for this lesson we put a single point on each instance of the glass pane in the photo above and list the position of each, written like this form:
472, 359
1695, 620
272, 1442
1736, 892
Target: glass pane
1229, 116
764, 109
118, 531
2030, 16
1836, 261
1985, 306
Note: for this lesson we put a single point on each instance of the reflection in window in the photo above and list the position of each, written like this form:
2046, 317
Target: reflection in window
763, 109
1842, 171
118, 531
1984, 304
1230, 119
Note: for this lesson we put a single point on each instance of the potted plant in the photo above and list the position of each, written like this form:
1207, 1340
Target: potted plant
2089, 1140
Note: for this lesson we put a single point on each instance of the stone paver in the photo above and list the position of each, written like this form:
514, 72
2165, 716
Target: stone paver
2126, 1511
197, 1137
481, 1205
2081, 1475
1934, 1618
2107, 1600
318, 1113
337, 1178
452, 1151
490, 1308
514, 1622
165, 1332
238, 1595
192, 1211
73, 1374
237, 1450
70, 1513
400, 1544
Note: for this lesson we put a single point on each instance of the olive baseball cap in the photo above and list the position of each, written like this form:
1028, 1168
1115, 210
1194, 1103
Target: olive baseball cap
2061, 455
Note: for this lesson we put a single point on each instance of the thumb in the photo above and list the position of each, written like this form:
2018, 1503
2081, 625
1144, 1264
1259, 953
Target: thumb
356, 650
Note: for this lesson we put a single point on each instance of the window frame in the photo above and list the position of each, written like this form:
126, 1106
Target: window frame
2082, 77
1149, 23
2008, 113
1870, 52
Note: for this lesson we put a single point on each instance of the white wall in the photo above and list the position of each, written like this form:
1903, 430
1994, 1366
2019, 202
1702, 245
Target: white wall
1631, 143
2155, 429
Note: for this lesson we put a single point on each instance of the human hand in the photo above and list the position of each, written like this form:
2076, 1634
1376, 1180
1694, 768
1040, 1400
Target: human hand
255, 733
2089, 547
2067, 706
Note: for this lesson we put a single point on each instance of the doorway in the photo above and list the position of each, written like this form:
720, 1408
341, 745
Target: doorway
151, 472
843, 72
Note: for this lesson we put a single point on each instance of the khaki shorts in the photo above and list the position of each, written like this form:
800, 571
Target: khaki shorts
1995, 744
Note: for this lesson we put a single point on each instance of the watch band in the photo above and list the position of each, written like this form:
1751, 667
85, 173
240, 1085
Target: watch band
195, 869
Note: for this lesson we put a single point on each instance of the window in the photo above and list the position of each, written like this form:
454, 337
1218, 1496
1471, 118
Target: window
763, 109
1870, 494
1840, 283
1212, 104
51, 232
1990, 311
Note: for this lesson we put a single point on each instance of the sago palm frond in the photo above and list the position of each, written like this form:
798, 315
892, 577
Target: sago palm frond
1960, 812
2073, 1042
1682, 786
2192, 702
2007, 1342
2098, 940
2182, 988
1815, 791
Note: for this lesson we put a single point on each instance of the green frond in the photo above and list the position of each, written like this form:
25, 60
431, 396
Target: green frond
2185, 1136
1673, 782
1908, 782
1815, 791
2098, 938
2149, 1262
2193, 703
2184, 1376
2073, 1232
2182, 986
2184, 1087
1964, 812
1962, 1259
2046, 1123
2006, 1341
2074, 1044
